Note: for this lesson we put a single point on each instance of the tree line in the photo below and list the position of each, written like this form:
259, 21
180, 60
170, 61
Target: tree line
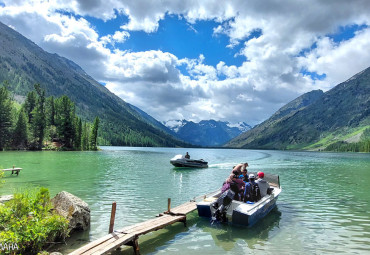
43, 123
362, 146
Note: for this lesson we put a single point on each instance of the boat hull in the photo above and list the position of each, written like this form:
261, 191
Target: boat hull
189, 163
240, 213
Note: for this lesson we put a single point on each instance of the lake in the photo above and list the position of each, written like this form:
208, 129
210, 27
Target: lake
323, 208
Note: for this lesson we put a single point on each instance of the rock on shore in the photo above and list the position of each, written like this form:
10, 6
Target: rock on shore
6, 198
74, 209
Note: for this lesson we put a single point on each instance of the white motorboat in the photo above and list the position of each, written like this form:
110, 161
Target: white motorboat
181, 161
238, 212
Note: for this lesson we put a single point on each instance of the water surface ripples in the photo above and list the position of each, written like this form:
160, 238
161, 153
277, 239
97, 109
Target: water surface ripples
323, 208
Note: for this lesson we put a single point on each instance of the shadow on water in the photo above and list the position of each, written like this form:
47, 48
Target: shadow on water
225, 236
186, 169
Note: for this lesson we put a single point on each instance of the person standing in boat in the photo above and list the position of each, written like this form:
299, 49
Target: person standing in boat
262, 184
240, 167
187, 156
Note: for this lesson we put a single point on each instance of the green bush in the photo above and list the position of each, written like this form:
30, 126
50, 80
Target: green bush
29, 222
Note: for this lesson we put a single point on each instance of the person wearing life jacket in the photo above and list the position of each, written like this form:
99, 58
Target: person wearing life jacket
262, 184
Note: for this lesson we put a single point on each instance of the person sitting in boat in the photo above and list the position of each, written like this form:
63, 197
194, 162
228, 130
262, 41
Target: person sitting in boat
226, 184
252, 191
262, 184
240, 167
244, 176
187, 155
233, 178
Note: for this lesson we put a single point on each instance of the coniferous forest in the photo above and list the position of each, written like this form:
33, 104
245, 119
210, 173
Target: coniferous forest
43, 123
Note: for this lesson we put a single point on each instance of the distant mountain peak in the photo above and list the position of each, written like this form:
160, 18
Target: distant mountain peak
206, 132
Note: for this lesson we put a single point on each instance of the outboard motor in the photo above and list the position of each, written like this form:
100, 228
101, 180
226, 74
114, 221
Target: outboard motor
223, 203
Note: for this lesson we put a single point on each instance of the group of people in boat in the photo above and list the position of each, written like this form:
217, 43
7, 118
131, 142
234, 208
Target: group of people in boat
247, 188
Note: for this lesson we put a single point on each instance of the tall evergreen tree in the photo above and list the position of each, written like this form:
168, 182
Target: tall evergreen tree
30, 104
50, 111
38, 119
85, 137
64, 119
94, 134
78, 133
20, 134
5, 117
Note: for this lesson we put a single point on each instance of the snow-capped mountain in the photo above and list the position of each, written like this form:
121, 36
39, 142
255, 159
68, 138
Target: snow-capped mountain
206, 132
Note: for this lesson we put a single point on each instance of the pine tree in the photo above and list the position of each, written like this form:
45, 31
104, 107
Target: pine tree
78, 133
50, 111
5, 117
64, 119
85, 138
30, 104
20, 134
38, 119
94, 134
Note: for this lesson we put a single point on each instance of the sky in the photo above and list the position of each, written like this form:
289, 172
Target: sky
233, 60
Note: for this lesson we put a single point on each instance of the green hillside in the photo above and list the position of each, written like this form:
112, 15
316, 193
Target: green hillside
23, 64
340, 115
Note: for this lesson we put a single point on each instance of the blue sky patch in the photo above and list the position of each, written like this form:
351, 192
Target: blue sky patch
345, 33
314, 75
176, 36
108, 27
186, 40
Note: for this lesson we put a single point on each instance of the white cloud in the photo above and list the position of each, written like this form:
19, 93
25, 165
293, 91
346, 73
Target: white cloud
338, 61
117, 37
270, 77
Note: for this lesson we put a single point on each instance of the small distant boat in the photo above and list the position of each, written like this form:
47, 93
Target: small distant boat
181, 161
238, 212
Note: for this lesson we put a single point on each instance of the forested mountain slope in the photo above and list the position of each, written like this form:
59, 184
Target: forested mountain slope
23, 63
315, 120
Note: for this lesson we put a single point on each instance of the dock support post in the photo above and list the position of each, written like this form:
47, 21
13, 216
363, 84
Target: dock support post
112, 217
135, 245
169, 205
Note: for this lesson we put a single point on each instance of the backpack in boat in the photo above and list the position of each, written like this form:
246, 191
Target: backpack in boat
254, 194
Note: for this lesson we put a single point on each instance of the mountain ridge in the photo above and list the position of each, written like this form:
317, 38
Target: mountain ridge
23, 64
339, 111
209, 133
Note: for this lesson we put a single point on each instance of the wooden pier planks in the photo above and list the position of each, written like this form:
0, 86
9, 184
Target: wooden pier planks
184, 208
128, 235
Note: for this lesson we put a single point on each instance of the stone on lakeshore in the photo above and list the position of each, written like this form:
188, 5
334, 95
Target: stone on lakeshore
74, 209
6, 198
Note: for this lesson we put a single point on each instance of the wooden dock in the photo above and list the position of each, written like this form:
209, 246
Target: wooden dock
130, 235
15, 170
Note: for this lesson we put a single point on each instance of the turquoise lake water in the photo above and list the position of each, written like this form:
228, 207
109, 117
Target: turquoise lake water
324, 207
